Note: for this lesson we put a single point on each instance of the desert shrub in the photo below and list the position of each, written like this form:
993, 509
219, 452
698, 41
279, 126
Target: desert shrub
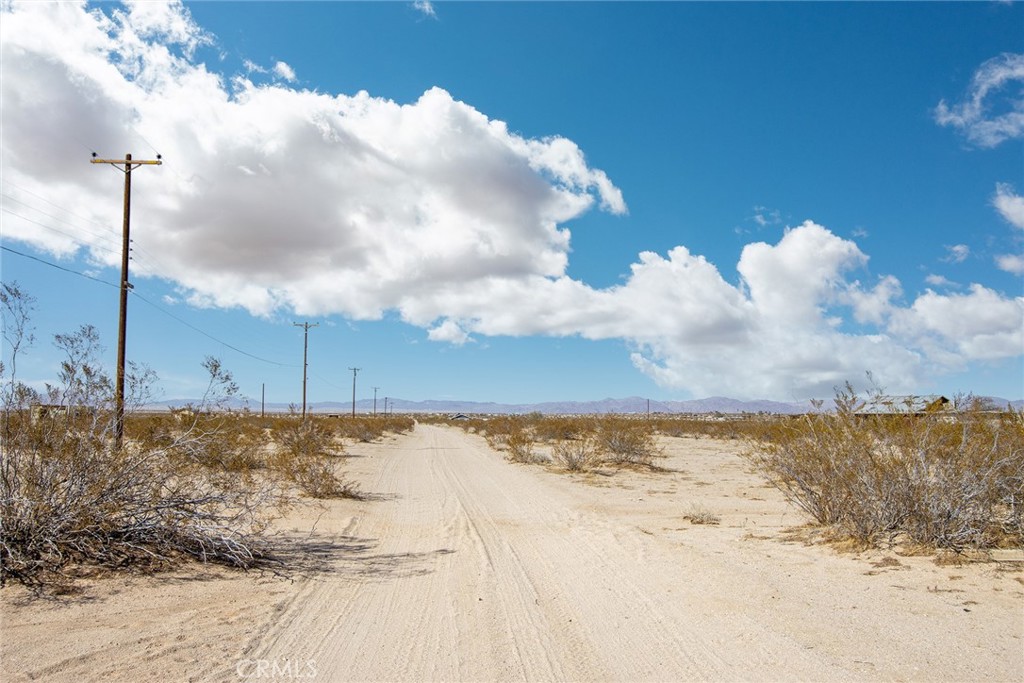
397, 424
701, 515
520, 444
223, 439
576, 455
364, 429
946, 479
626, 441
498, 429
305, 452
69, 497
562, 427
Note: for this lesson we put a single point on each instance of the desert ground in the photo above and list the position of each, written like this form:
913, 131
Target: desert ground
462, 566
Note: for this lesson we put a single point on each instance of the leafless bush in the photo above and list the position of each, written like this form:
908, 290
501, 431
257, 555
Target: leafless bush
576, 455
69, 497
561, 427
950, 479
363, 429
520, 445
305, 452
700, 515
626, 441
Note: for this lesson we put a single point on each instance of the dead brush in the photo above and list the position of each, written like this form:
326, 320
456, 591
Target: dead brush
579, 454
305, 452
69, 498
362, 429
946, 480
520, 445
624, 441
701, 515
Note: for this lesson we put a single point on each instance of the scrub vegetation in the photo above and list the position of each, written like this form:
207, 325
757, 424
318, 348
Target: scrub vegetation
202, 482
948, 477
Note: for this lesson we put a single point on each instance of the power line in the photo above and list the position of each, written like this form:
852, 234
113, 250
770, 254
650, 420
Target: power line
109, 236
77, 240
325, 381
210, 336
140, 256
54, 265
58, 206
157, 307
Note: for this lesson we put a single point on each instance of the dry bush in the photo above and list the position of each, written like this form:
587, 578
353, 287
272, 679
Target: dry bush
305, 452
949, 479
700, 515
576, 455
227, 440
497, 430
520, 446
554, 428
363, 429
69, 497
625, 441
202, 482
397, 424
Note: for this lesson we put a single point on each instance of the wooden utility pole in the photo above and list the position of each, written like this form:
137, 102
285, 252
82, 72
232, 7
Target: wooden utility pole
305, 348
354, 371
122, 322
375, 401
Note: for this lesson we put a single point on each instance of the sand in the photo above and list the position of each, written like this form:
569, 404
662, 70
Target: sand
464, 567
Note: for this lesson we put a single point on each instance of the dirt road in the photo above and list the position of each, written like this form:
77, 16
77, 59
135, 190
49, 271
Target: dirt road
487, 570
465, 567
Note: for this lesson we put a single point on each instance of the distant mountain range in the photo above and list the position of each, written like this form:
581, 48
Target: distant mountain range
633, 404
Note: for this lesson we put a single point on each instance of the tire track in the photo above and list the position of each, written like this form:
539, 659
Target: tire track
484, 570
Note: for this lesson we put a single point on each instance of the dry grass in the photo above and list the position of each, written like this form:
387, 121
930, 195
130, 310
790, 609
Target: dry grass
700, 515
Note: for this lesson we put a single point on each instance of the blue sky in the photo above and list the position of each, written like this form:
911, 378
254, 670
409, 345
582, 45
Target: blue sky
522, 202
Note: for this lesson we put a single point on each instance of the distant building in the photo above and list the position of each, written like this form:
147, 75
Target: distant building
50, 411
905, 405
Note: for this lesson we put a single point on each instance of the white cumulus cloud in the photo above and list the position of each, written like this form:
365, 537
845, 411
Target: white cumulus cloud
279, 199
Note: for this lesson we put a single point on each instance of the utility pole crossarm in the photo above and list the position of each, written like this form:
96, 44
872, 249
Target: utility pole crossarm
132, 163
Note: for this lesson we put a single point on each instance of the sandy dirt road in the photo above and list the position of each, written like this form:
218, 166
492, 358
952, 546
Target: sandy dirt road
487, 570
464, 567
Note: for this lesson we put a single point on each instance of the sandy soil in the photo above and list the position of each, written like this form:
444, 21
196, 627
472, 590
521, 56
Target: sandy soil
465, 567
